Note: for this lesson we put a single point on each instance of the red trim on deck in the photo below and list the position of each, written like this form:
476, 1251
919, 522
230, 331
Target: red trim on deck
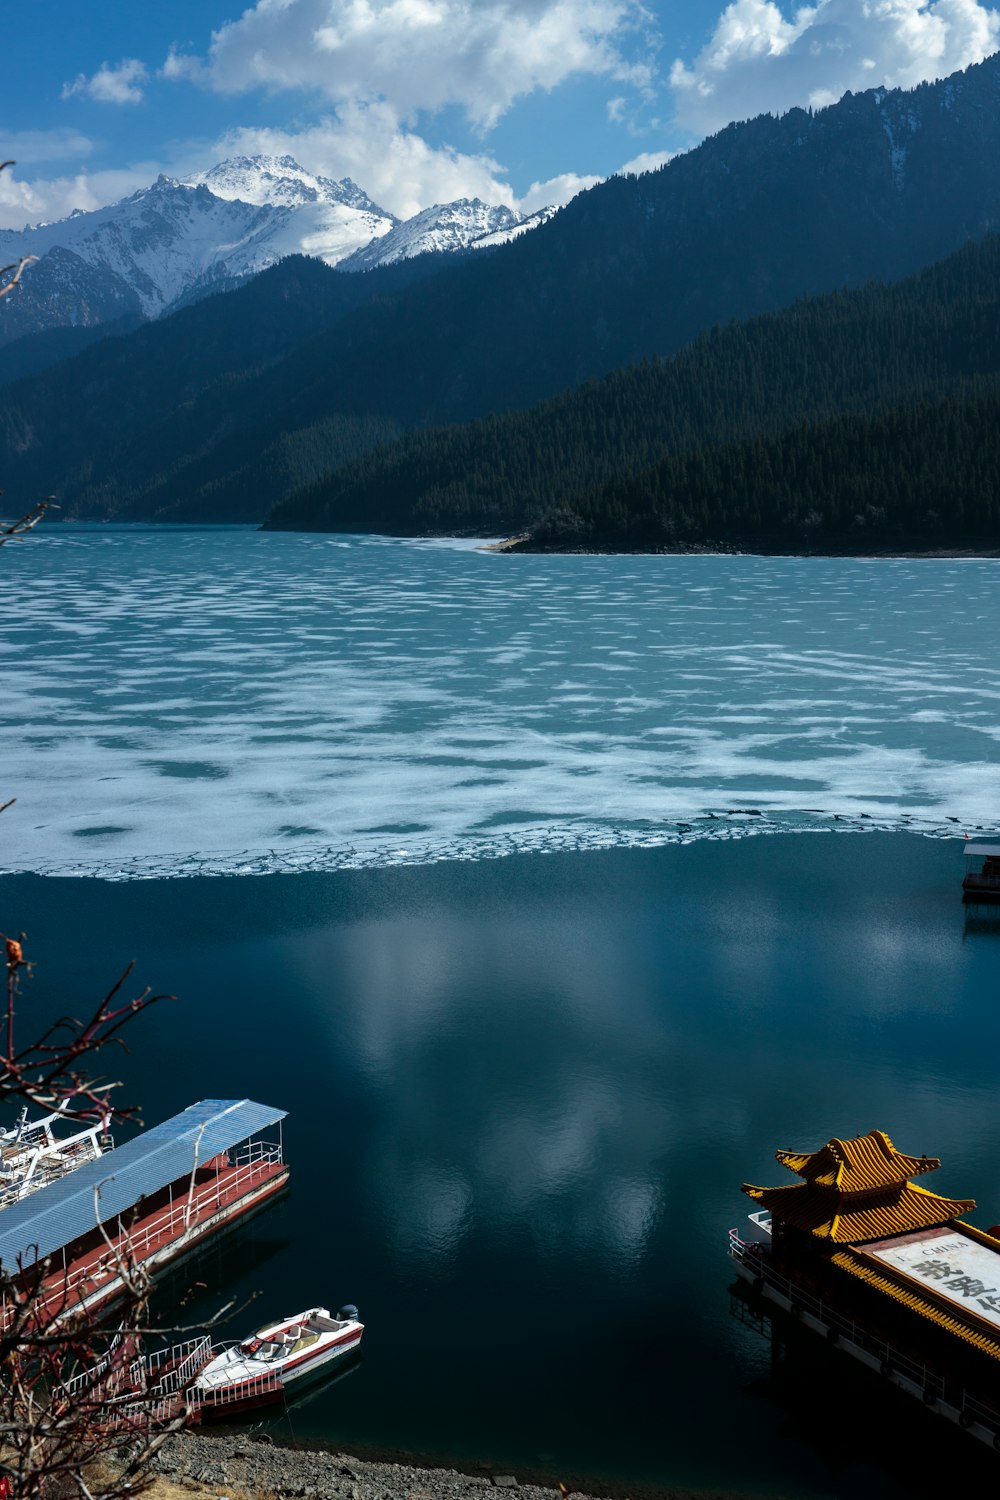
163, 1232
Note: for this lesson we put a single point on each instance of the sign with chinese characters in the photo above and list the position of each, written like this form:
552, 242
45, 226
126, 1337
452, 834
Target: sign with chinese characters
952, 1266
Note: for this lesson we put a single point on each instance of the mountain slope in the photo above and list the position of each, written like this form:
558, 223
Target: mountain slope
604, 452
119, 420
918, 475
444, 226
166, 246
877, 185
174, 241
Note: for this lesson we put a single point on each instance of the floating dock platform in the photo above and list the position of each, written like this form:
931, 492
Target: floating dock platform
147, 1204
887, 1271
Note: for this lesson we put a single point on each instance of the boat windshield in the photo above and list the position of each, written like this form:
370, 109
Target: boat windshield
251, 1346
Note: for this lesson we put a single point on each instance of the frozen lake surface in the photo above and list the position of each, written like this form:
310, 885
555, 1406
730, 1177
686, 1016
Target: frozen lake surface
181, 701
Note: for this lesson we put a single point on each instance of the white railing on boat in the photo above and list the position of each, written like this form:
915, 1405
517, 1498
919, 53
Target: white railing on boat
27, 1165
268, 1383
172, 1224
159, 1388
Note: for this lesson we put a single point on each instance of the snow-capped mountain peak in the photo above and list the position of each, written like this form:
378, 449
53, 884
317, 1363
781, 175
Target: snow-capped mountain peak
173, 241
281, 182
443, 226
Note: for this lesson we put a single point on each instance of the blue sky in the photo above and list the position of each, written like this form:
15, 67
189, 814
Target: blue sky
421, 101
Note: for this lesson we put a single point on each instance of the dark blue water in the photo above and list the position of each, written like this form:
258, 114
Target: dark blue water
523, 1095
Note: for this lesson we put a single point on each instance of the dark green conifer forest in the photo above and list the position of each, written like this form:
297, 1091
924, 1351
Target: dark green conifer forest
860, 420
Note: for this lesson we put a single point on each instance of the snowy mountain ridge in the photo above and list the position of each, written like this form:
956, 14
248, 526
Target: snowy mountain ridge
281, 182
443, 226
174, 241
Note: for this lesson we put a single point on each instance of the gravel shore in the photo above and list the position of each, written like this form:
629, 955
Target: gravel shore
254, 1465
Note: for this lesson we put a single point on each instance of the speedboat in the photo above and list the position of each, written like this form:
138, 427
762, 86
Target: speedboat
257, 1371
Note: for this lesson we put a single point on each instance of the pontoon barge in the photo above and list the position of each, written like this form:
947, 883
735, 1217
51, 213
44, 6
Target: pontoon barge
982, 887
156, 1198
886, 1270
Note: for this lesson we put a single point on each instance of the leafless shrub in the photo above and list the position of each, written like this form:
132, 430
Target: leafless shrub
78, 1415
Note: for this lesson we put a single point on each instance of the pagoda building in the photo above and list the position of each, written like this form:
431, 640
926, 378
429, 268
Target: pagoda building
857, 1190
882, 1264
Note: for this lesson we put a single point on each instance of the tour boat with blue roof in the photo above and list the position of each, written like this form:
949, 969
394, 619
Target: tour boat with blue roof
154, 1199
885, 1269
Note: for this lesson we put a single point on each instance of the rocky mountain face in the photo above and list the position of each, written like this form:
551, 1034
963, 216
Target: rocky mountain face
876, 186
67, 291
174, 242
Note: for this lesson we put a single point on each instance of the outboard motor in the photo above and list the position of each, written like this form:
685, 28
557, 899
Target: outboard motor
347, 1312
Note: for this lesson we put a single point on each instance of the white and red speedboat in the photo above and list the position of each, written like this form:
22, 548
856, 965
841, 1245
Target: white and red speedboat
258, 1371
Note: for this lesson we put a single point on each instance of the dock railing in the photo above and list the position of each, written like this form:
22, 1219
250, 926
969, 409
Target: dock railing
172, 1223
257, 1388
159, 1388
878, 1354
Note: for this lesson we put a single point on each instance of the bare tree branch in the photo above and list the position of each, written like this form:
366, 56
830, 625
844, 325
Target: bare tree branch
82, 1413
9, 530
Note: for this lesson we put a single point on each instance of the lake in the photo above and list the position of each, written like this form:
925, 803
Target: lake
523, 1092
225, 700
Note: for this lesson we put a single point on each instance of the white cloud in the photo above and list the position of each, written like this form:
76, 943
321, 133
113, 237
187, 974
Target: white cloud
178, 65
45, 145
557, 190
417, 55
396, 166
648, 161
758, 60
44, 199
123, 84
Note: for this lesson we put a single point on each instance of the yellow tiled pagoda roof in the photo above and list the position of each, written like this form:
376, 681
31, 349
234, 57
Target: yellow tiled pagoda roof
846, 1219
857, 1190
860, 1165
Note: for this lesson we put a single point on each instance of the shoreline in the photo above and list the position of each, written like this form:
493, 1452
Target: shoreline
520, 546
258, 1464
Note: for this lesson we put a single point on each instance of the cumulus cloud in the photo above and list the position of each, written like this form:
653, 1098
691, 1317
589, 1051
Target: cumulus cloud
178, 65
555, 190
758, 59
45, 145
396, 166
648, 161
417, 55
43, 199
123, 84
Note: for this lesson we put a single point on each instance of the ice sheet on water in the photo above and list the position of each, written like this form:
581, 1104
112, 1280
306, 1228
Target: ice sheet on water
191, 701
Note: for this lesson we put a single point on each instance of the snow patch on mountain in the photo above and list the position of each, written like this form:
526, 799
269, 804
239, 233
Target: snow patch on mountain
504, 236
280, 181
443, 226
241, 217
174, 241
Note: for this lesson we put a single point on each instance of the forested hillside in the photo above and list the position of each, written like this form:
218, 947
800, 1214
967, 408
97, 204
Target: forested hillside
612, 452
190, 423
922, 475
140, 421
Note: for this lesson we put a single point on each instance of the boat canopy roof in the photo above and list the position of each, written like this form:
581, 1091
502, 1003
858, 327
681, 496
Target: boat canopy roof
68, 1209
983, 850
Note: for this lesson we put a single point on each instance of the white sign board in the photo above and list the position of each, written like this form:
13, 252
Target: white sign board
956, 1268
